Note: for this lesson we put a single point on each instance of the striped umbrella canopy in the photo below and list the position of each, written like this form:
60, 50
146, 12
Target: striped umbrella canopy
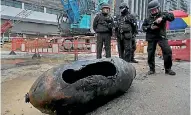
182, 20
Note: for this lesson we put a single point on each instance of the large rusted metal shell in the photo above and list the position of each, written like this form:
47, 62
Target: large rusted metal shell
81, 82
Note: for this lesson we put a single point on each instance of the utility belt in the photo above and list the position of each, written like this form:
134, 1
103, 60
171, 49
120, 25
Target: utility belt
125, 28
123, 32
120, 32
126, 35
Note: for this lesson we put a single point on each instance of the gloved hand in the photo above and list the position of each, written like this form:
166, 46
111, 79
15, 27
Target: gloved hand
154, 27
158, 20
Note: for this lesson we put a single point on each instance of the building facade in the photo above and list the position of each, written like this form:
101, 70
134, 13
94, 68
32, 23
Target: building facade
40, 19
36, 17
170, 5
189, 3
139, 7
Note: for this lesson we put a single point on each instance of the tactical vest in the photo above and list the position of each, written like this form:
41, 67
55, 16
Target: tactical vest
125, 24
104, 23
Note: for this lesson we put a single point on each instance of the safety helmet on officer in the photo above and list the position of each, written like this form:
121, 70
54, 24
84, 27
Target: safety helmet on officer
123, 8
154, 7
105, 8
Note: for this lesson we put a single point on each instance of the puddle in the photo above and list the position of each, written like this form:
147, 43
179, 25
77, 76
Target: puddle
18, 62
11, 61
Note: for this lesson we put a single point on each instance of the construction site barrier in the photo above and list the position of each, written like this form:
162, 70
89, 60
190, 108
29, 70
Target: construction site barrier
70, 45
16, 43
75, 45
180, 49
67, 45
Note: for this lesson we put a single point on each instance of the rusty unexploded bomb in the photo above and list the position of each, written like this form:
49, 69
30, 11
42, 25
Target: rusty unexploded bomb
67, 86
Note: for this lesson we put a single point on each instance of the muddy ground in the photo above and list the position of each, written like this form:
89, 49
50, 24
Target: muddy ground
17, 76
158, 94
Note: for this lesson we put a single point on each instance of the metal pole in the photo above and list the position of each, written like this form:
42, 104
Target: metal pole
75, 49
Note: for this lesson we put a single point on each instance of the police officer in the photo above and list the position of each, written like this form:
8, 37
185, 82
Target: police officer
103, 25
125, 30
155, 28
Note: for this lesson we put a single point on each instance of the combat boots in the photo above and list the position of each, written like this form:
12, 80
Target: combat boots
134, 61
169, 72
151, 72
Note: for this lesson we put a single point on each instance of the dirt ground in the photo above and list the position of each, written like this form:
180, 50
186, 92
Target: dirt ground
17, 77
16, 86
6, 47
171, 93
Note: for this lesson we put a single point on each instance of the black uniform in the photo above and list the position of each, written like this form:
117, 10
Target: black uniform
133, 49
125, 31
134, 41
158, 36
103, 25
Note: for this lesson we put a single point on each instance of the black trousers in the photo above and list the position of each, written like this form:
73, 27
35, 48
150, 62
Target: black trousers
103, 38
133, 48
126, 47
166, 51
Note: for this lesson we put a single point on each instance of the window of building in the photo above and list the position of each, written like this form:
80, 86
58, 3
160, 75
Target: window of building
17, 4
28, 6
12, 3
39, 9
142, 13
52, 11
139, 8
135, 2
2, 2
8, 2
34, 7
49, 10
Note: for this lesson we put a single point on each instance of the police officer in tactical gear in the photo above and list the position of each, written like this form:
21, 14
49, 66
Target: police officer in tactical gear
103, 25
125, 31
155, 28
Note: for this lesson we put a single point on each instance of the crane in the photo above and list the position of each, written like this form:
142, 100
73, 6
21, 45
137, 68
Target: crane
79, 15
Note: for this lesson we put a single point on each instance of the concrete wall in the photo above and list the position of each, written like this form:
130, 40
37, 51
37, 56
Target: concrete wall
11, 11
34, 28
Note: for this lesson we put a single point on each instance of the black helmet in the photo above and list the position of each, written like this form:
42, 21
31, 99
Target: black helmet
123, 8
104, 5
123, 5
153, 4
